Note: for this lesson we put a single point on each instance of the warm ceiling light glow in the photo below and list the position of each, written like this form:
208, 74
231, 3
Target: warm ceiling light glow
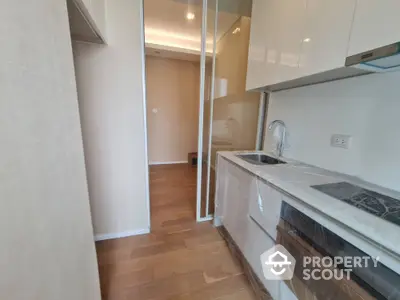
190, 16
167, 39
306, 40
237, 29
153, 33
177, 46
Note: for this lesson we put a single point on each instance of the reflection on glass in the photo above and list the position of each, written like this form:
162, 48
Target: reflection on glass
230, 115
235, 111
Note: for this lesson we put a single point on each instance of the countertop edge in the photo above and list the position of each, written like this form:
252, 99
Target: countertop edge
392, 256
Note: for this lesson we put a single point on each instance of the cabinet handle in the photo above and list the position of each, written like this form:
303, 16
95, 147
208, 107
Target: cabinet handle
260, 203
259, 199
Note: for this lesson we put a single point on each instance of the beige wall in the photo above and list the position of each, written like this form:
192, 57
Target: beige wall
47, 250
173, 92
111, 100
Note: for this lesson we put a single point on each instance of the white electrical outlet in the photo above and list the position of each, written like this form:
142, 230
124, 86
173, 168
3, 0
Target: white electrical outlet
341, 141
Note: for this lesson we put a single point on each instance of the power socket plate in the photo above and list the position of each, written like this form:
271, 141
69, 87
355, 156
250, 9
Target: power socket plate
341, 141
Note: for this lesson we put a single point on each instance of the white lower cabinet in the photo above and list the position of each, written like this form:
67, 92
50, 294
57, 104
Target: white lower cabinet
265, 206
250, 211
233, 186
220, 191
256, 244
285, 292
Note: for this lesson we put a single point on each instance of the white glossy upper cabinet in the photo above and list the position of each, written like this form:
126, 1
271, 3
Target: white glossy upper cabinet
262, 39
326, 35
290, 32
276, 35
376, 24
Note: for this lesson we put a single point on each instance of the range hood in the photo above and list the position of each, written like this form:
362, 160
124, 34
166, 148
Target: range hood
383, 59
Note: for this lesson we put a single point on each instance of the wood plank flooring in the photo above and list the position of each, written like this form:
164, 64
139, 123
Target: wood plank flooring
180, 259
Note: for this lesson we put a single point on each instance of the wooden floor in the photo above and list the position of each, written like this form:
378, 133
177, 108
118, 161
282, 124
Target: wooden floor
180, 259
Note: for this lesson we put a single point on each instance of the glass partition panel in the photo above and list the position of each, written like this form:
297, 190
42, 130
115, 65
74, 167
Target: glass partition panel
234, 123
229, 115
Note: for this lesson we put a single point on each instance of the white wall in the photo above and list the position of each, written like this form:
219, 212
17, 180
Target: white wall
368, 108
47, 250
111, 93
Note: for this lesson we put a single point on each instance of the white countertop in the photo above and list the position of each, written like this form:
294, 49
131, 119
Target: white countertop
295, 178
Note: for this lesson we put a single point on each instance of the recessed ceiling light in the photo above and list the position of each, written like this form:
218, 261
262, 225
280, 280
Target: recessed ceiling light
190, 16
306, 40
237, 29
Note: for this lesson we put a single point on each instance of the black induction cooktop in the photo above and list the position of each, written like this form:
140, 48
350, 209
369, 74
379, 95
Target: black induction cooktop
382, 206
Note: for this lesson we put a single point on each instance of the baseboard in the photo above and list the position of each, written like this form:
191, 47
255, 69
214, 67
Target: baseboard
217, 221
206, 219
154, 163
110, 236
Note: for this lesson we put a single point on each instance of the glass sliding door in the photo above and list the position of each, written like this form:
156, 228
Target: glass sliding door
229, 115
205, 117
235, 124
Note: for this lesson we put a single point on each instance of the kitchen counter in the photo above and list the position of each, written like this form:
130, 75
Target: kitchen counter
373, 235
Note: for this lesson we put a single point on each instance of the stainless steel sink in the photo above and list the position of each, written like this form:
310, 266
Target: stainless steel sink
260, 159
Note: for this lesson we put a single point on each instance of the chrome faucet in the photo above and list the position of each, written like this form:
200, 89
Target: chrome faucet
281, 144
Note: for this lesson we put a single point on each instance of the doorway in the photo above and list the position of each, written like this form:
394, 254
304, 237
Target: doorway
172, 124
173, 48
196, 63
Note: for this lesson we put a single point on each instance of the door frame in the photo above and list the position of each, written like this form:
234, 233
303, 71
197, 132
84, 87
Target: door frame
199, 218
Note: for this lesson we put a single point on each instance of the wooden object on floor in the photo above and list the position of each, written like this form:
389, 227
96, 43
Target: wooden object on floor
180, 259
192, 159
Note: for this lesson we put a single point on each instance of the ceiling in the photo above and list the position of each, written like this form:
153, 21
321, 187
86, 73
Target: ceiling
167, 28
80, 27
166, 53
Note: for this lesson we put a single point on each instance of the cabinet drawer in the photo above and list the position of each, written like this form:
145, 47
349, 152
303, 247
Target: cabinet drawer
265, 206
257, 243
286, 293
232, 199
